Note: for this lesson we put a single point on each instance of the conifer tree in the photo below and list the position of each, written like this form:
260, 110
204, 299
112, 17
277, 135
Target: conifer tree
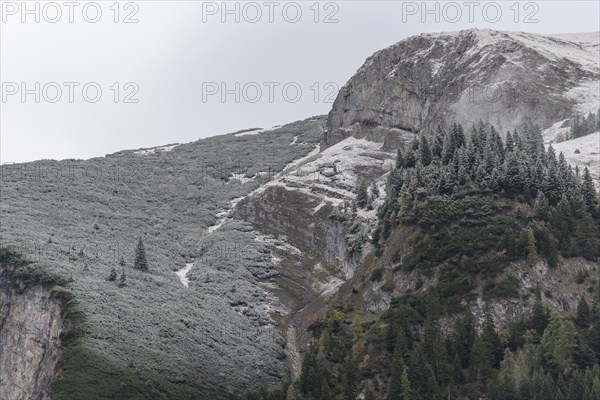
438, 144
587, 190
123, 278
362, 197
395, 385
559, 345
510, 144
583, 314
410, 159
541, 207
490, 338
539, 316
406, 389
425, 151
399, 159
113, 274
140, 261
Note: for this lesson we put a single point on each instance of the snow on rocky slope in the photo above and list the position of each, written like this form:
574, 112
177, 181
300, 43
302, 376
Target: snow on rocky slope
500, 77
583, 152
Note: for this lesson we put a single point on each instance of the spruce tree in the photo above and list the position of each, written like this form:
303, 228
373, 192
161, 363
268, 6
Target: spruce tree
406, 389
583, 314
541, 208
123, 278
140, 261
490, 338
362, 197
399, 159
113, 274
425, 151
539, 316
587, 190
395, 385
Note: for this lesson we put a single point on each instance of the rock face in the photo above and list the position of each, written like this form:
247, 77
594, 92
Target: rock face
435, 79
30, 348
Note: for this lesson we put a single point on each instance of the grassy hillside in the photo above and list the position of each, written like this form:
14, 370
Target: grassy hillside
151, 337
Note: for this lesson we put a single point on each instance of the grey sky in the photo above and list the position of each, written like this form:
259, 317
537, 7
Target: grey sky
178, 48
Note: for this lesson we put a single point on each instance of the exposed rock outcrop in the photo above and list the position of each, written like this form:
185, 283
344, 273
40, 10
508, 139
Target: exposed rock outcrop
30, 326
435, 79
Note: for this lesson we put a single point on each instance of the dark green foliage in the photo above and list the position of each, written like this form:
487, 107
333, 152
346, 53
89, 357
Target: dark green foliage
583, 314
140, 262
377, 275
113, 274
584, 126
425, 155
122, 279
362, 196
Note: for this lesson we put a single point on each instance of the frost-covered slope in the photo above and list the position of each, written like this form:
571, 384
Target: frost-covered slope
583, 152
500, 77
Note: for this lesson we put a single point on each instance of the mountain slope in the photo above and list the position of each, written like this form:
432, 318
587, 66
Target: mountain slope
498, 77
78, 219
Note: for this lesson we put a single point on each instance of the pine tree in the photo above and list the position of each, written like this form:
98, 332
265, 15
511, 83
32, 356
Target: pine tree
587, 190
113, 274
490, 338
510, 144
399, 159
437, 146
559, 345
362, 197
464, 336
481, 361
551, 186
122, 262
123, 278
406, 389
539, 316
541, 208
425, 155
349, 379
375, 191
410, 159
140, 261
395, 385
583, 314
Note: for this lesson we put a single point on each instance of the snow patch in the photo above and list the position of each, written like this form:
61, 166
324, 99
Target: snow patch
588, 156
550, 134
152, 150
257, 131
182, 274
242, 178
224, 214
586, 95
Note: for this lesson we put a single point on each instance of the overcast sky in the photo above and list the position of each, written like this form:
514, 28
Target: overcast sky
167, 71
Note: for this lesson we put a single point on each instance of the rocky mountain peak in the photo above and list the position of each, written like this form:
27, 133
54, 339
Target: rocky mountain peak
437, 78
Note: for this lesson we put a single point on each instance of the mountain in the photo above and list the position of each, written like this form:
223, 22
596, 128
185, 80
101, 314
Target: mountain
305, 252
436, 79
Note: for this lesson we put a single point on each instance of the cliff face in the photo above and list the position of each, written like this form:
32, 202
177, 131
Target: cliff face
30, 326
434, 79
